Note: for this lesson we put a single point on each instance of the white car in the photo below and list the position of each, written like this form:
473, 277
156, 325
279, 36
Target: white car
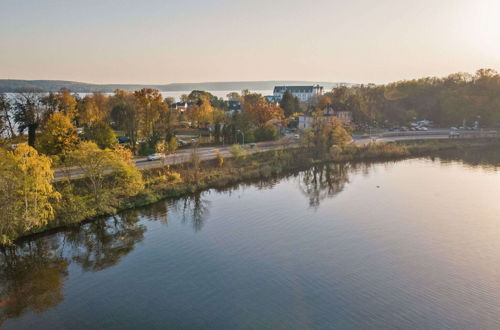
156, 156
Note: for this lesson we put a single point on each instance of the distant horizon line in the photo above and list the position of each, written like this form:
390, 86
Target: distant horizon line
180, 83
13, 85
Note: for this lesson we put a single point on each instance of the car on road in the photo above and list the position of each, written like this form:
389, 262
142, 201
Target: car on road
454, 134
296, 136
156, 156
251, 145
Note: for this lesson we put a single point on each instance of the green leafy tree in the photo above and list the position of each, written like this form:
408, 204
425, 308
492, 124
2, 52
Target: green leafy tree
266, 133
289, 104
100, 133
125, 113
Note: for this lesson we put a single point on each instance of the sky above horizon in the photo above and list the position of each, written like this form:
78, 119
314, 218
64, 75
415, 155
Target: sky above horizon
163, 41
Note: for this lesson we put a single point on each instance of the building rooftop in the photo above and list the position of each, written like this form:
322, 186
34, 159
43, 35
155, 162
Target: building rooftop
296, 89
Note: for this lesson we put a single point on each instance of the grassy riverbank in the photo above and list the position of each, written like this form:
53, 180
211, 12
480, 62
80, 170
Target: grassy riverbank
76, 205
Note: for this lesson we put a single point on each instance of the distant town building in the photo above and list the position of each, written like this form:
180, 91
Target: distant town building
272, 99
233, 105
303, 93
345, 117
181, 106
329, 115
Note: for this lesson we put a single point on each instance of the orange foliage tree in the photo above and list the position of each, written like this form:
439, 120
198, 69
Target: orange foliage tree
262, 112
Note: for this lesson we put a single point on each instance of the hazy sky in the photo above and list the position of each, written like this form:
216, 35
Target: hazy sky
162, 41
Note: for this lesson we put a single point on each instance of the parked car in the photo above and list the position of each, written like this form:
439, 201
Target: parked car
123, 139
251, 145
181, 142
156, 156
296, 136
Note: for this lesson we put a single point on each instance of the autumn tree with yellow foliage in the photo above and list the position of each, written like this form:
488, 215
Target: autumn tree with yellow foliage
109, 175
27, 195
58, 136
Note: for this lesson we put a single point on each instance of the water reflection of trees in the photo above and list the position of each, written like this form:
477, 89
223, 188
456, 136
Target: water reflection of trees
31, 278
193, 209
33, 272
102, 243
323, 181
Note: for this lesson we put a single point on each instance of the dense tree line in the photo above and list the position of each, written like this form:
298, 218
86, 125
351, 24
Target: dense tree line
143, 117
446, 101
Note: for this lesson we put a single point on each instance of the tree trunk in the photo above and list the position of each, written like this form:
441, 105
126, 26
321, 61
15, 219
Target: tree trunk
32, 134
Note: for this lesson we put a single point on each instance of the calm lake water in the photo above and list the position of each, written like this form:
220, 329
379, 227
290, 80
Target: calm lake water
408, 244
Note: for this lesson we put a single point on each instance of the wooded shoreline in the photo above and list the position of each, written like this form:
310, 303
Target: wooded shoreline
188, 178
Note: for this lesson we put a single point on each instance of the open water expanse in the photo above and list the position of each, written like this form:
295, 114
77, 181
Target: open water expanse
407, 244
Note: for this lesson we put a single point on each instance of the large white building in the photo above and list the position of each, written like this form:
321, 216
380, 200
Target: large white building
303, 93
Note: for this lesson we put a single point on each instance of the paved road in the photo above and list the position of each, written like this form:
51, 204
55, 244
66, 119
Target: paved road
182, 156
206, 153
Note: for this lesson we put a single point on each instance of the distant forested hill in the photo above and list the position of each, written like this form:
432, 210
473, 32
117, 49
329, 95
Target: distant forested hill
12, 85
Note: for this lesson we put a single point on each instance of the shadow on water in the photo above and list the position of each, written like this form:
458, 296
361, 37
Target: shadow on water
32, 274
